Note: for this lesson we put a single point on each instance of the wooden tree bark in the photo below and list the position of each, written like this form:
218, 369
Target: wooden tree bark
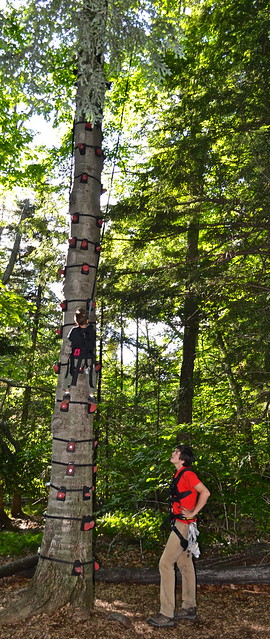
137, 362
27, 209
229, 375
136, 381
16, 506
243, 421
191, 329
121, 353
65, 540
5, 521
158, 393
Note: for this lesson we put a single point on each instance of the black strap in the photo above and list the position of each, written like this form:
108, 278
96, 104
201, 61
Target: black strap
71, 463
71, 401
72, 490
76, 441
183, 541
68, 490
83, 264
63, 561
61, 517
88, 175
86, 215
183, 494
75, 369
176, 495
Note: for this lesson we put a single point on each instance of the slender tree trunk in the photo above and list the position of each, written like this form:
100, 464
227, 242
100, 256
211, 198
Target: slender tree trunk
137, 361
1, 497
16, 506
5, 521
121, 355
26, 407
27, 209
191, 329
229, 375
107, 455
243, 421
100, 357
136, 390
158, 399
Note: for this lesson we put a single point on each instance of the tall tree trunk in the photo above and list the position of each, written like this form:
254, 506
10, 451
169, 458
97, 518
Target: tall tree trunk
26, 407
137, 362
136, 376
229, 375
191, 329
121, 354
100, 355
158, 397
67, 538
107, 455
16, 506
26, 211
5, 521
243, 421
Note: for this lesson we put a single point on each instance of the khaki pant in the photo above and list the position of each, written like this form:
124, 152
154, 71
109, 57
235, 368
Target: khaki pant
173, 552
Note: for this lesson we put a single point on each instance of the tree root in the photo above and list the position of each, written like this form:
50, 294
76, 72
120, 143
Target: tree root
25, 603
48, 591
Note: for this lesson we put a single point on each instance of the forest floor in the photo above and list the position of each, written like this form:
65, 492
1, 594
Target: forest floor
227, 611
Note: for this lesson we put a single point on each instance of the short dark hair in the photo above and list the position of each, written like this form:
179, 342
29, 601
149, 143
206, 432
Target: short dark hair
186, 454
81, 316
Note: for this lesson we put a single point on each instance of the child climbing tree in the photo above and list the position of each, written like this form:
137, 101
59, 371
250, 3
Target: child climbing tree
66, 558
66, 564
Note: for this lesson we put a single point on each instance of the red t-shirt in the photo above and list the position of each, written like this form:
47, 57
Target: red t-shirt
188, 480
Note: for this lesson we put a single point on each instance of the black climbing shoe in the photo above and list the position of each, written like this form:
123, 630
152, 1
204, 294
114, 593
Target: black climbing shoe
185, 613
160, 621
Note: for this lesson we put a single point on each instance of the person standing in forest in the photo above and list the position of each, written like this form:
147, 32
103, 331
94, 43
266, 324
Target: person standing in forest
188, 495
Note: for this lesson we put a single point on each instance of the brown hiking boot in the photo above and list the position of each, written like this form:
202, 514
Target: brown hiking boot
160, 621
185, 613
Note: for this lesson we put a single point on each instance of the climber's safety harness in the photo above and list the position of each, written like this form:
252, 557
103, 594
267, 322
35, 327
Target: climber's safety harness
176, 496
82, 354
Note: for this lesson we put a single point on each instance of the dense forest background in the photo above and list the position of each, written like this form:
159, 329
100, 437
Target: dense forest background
183, 282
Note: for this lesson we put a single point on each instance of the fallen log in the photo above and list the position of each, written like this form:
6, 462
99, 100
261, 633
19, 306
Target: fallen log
19, 565
214, 576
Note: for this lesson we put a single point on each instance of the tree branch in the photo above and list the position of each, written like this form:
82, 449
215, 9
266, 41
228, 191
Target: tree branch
13, 384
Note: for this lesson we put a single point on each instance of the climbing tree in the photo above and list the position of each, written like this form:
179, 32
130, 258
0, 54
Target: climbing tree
66, 565
66, 550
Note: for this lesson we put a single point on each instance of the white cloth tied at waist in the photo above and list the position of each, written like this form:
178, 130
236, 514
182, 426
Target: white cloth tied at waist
193, 545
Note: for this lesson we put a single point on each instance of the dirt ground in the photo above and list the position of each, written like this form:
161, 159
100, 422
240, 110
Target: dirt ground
224, 612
